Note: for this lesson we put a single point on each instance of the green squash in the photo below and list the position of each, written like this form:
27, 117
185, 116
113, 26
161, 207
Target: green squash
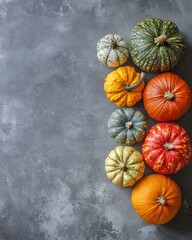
127, 126
156, 45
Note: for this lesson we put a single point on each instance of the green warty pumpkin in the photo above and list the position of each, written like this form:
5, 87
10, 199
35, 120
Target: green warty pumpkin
127, 126
156, 45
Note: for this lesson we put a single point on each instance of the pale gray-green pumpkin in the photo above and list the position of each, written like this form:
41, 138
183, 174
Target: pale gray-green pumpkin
112, 50
127, 126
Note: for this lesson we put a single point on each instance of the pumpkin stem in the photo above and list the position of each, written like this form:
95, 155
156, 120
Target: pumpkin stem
169, 95
129, 88
162, 200
122, 166
160, 40
129, 124
113, 44
168, 146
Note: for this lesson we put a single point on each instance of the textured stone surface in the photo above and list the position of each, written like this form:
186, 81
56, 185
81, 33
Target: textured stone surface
53, 121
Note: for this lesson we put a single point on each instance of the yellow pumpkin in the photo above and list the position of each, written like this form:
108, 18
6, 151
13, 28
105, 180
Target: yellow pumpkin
124, 166
124, 86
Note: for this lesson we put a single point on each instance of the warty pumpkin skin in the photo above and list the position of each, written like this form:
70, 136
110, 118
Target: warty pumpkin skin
112, 50
167, 148
127, 126
167, 97
156, 45
124, 166
124, 86
156, 199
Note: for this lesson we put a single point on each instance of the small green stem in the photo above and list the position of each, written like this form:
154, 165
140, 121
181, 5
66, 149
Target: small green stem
129, 88
113, 44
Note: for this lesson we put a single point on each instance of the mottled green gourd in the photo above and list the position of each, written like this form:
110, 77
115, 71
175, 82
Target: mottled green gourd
127, 126
156, 45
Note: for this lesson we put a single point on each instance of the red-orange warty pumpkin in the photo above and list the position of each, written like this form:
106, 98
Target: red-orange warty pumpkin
166, 97
167, 148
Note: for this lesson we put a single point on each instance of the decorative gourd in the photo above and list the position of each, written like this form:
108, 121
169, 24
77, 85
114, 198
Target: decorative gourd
166, 97
156, 199
124, 86
156, 45
127, 126
112, 50
167, 148
124, 166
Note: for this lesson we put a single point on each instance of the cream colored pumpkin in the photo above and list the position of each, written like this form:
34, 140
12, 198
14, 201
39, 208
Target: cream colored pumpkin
112, 50
124, 166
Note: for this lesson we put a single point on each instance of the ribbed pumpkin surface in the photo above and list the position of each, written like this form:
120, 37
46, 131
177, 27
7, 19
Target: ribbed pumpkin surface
156, 199
167, 148
118, 86
127, 126
124, 166
167, 97
156, 45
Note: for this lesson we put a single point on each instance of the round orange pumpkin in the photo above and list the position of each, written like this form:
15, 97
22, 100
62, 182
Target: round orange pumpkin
156, 199
166, 97
124, 86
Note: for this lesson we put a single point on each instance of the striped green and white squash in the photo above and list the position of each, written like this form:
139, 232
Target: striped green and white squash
127, 126
112, 50
156, 45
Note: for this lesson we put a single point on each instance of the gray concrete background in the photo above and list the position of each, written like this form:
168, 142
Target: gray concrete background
53, 121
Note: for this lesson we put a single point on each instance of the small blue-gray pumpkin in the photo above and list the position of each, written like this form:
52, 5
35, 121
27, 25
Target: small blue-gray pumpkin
127, 126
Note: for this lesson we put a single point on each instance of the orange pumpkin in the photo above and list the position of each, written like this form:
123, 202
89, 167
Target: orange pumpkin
156, 199
167, 97
124, 86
